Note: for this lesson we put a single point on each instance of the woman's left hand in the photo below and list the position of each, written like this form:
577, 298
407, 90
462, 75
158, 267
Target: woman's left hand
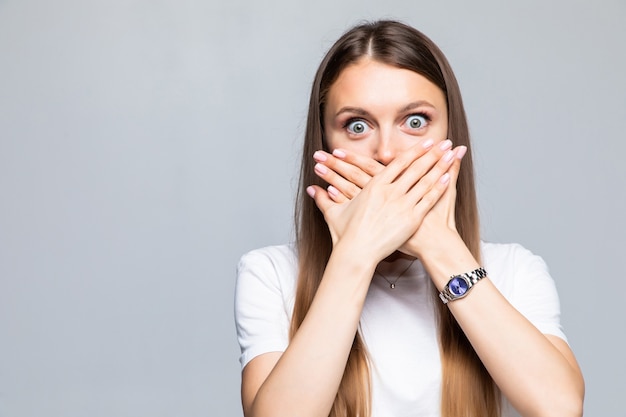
348, 172
548, 377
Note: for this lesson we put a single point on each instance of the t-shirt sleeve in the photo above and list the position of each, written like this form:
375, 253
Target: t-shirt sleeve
261, 316
534, 293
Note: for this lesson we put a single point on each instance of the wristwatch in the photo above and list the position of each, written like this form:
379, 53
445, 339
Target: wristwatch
460, 285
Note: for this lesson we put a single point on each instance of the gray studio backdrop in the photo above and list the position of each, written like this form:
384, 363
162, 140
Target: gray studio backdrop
146, 145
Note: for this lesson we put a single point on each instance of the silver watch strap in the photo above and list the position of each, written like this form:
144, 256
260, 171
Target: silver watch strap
470, 278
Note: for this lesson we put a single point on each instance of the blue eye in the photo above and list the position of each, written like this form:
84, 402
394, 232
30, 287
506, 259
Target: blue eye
357, 127
416, 121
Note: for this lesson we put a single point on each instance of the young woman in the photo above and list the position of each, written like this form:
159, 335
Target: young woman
388, 304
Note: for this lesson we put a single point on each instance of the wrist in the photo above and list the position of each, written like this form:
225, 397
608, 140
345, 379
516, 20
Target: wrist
422, 248
451, 257
354, 257
460, 285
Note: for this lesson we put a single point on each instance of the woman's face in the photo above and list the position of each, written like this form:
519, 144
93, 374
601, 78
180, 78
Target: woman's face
378, 110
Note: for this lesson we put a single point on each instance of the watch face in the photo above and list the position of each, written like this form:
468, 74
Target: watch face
458, 286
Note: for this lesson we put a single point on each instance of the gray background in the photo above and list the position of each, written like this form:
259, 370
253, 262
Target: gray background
144, 146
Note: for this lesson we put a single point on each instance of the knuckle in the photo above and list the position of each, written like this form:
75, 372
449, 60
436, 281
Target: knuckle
429, 199
372, 167
353, 191
352, 174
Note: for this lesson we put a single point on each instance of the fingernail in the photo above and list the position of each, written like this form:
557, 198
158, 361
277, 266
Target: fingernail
460, 152
446, 144
310, 191
339, 153
333, 191
445, 178
321, 169
427, 143
320, 156
448, 156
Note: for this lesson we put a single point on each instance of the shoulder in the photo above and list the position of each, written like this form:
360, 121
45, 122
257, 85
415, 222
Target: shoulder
271, 268
524, 279
513, 268
278, 256
506, 256
264, 295
506, 250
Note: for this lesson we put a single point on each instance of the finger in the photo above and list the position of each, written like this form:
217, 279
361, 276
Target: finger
342, 185
368, 165
423, 165
449, 197
336, 195
321, 197
350, 172
459, 153
434, 194
428, 181
403, 161
454, 170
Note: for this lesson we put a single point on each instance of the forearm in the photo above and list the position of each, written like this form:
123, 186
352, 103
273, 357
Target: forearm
538, 377
305, 380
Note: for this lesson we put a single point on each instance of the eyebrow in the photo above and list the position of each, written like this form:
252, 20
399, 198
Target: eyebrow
355, 110
362, 112
415, 104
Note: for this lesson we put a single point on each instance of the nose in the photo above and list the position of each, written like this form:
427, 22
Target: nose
386, 149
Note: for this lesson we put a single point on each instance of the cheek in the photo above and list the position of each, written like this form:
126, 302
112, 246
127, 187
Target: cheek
337, 140
363, 147
331, 139
442, 129
438, 134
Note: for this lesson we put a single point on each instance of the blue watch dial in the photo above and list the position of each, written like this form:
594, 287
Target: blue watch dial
458, 286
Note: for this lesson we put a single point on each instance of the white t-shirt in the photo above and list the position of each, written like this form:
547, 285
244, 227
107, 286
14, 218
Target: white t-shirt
398, 325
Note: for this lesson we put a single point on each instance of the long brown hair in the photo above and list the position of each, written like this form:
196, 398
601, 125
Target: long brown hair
467, 388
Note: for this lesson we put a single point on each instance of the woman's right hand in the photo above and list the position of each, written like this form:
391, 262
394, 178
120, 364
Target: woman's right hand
391, 206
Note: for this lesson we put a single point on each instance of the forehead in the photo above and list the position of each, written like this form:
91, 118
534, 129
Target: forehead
370, 83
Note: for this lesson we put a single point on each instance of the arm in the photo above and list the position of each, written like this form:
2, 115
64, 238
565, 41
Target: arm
537, 373
303, 380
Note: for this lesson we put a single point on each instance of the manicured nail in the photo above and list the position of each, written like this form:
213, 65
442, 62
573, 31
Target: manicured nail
339, 153
446, 144
333, 191
448, 156
427, 143
310, 191
460, 152
320, 156
445, 178
321, 169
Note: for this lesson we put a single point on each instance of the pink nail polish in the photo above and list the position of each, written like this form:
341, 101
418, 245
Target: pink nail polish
339, 153
321, 169
448, 156
446, 144
333, 191
319, 156
427, 143
445, 178
310, 191
460, 152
